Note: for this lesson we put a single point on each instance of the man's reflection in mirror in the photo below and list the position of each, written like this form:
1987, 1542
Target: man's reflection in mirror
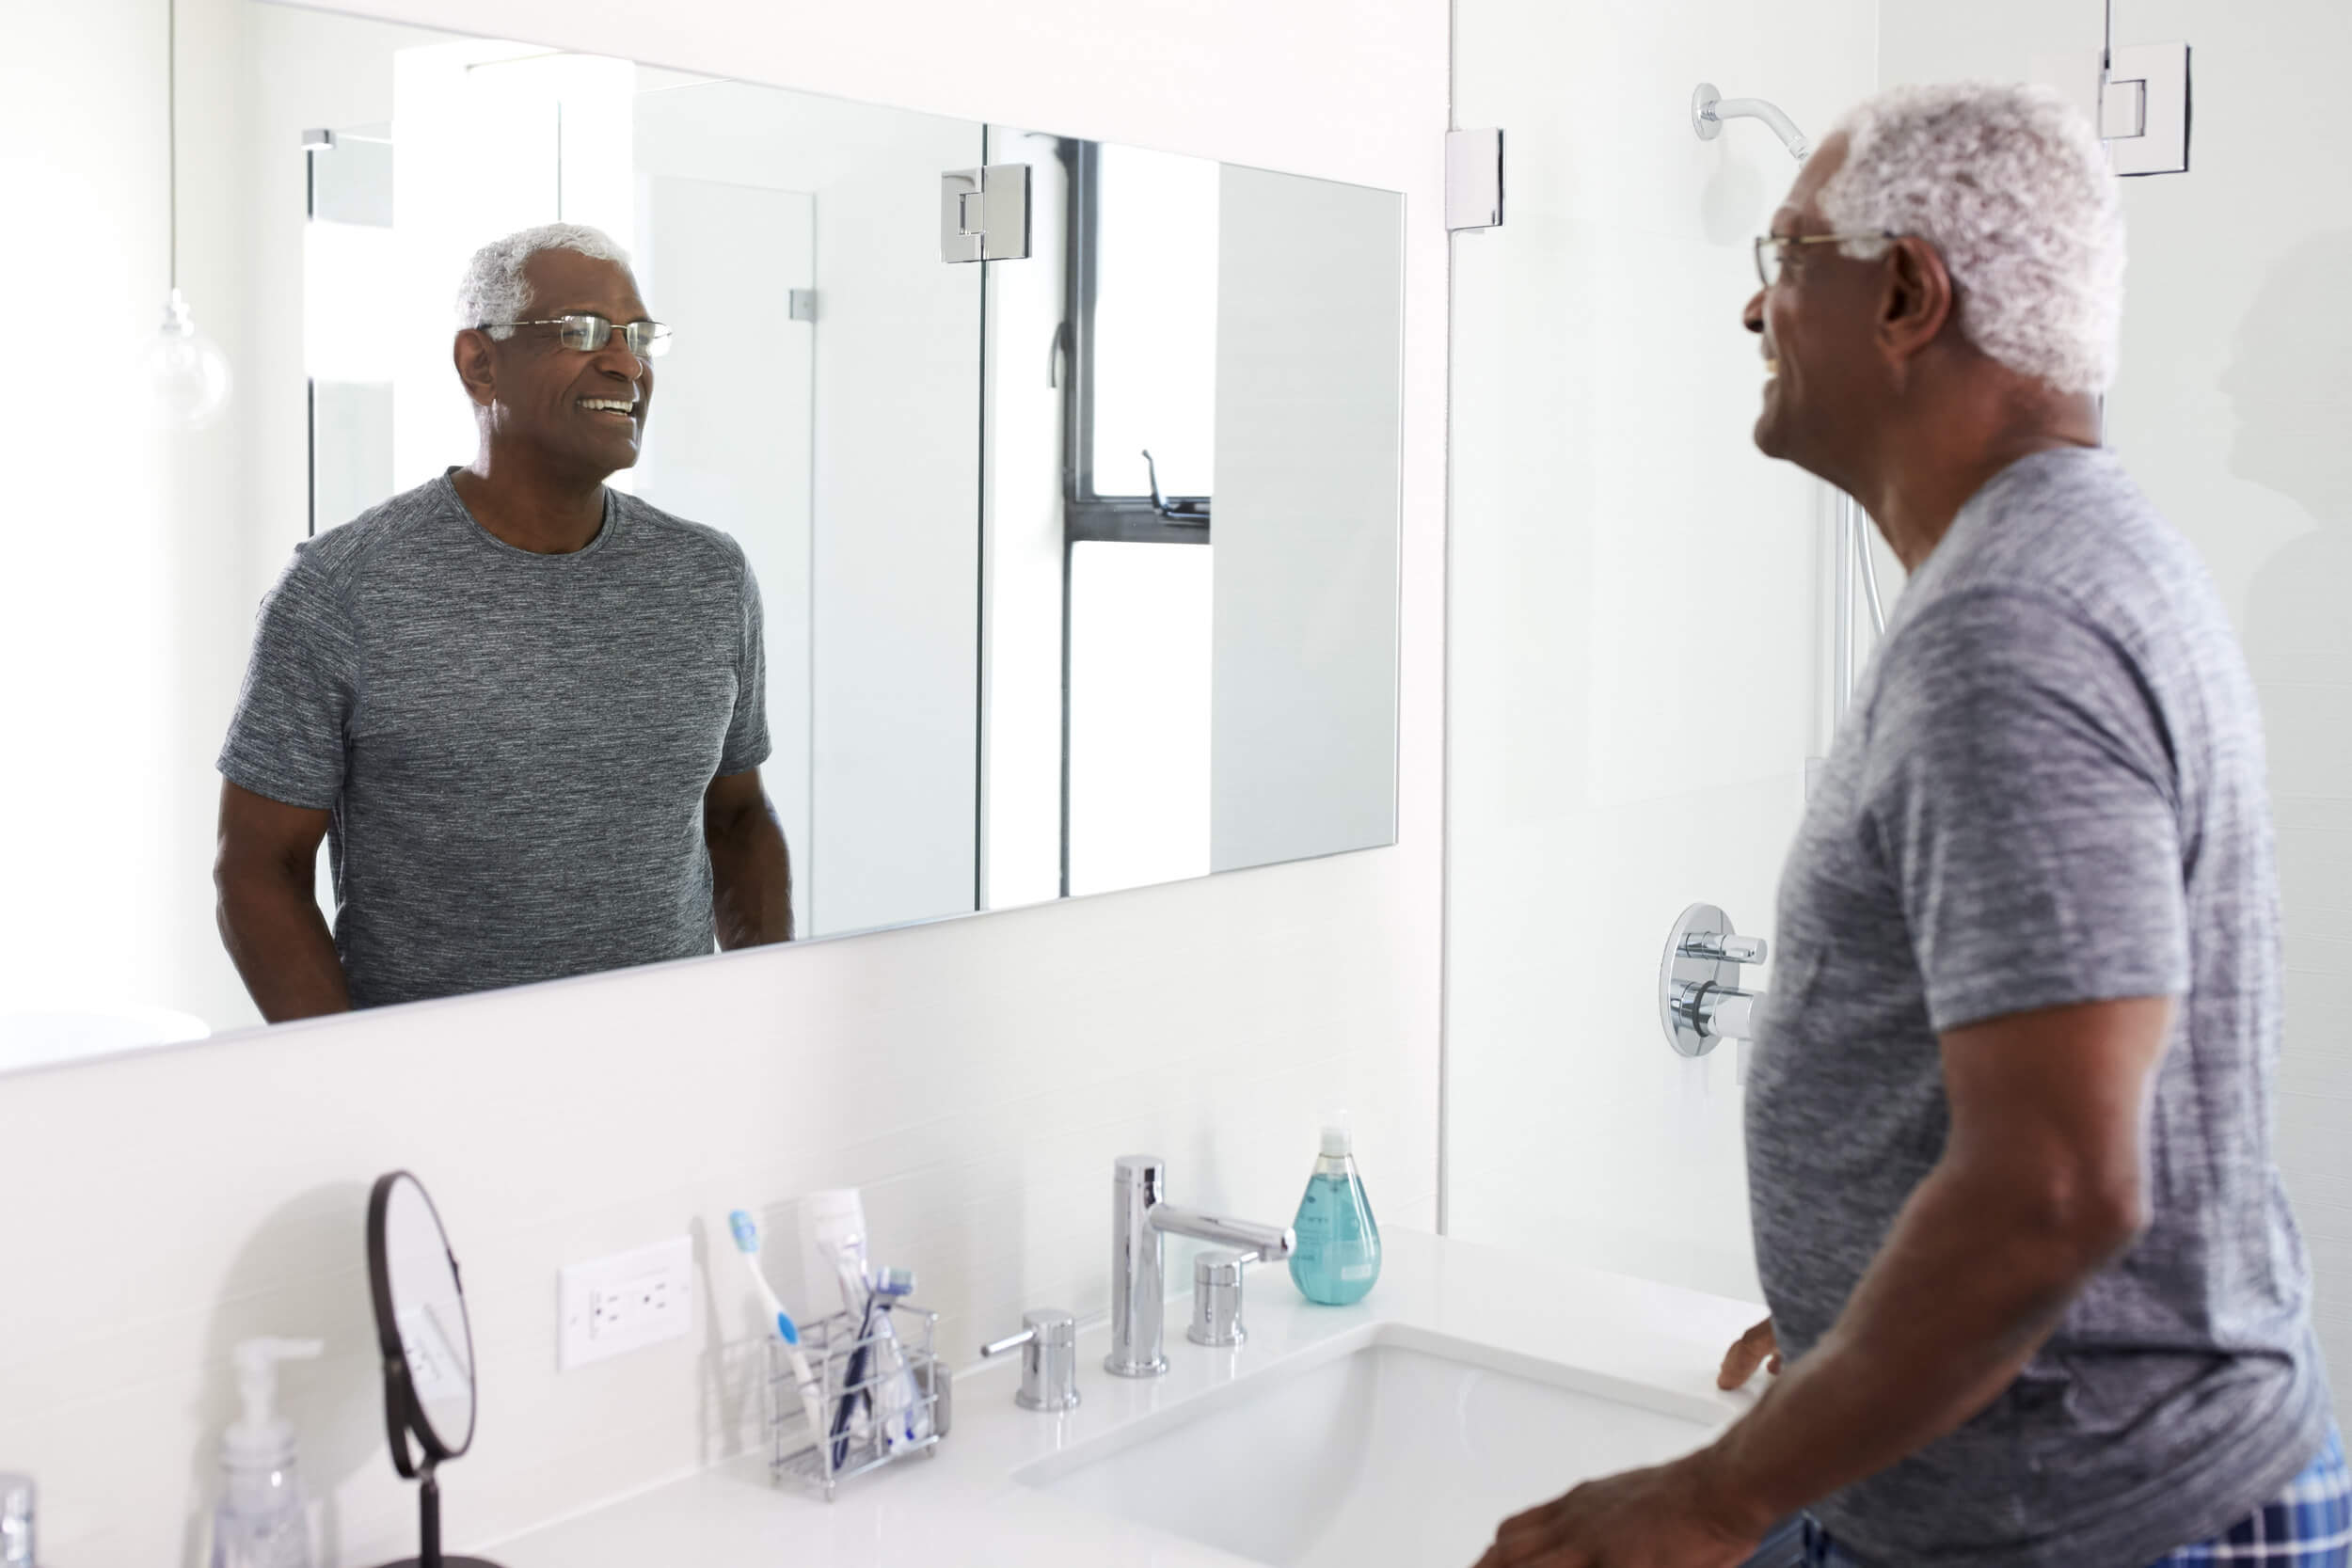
525, 711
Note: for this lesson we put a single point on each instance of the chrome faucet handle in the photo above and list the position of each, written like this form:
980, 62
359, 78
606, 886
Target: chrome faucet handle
1216, 1298
1049, 1360
1723, 947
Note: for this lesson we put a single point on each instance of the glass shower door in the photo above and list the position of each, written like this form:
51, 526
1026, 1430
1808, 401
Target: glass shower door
1640, 651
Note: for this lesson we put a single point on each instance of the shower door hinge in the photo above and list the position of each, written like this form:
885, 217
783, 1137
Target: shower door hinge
984, 213
2143, 109
1473, 179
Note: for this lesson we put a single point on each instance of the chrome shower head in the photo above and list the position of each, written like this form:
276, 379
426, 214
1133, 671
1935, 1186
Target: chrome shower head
1710, 108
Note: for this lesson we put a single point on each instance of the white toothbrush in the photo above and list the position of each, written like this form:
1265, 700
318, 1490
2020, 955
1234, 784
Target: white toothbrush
747, 1242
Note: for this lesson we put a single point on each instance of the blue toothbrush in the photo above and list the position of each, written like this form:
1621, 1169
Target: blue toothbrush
747, 1242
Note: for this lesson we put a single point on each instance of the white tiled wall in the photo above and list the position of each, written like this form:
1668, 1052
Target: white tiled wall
974, 1077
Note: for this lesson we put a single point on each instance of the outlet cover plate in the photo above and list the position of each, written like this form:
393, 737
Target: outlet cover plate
625, 1301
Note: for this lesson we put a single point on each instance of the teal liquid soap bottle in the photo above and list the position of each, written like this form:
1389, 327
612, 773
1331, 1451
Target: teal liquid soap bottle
1337, 1256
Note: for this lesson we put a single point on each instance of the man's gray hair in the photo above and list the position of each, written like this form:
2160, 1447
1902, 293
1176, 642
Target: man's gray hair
495, 295
2012, 186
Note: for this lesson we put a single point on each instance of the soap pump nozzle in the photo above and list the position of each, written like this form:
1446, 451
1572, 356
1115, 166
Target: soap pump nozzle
262, 1439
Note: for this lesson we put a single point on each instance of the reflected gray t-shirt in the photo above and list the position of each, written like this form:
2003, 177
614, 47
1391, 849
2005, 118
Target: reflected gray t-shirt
2049, 790
514, 746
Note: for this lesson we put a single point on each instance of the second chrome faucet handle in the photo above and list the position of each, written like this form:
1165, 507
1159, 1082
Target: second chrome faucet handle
1049, 1360
1217, 1282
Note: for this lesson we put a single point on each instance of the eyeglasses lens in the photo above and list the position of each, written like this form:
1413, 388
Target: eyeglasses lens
648, 340
585, 333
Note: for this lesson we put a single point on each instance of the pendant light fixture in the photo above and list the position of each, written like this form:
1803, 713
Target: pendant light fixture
185, 373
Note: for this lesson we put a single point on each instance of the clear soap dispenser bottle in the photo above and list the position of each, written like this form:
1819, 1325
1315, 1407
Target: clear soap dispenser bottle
1338, 1255
262, 1521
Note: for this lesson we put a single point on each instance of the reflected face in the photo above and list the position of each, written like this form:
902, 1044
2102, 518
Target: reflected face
587, 409
1821, 367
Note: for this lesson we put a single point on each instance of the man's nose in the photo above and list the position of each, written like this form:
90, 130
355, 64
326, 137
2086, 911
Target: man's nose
615, 359
1753, 317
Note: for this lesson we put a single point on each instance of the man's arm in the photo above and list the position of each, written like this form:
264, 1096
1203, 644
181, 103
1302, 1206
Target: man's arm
265, 871
751, 870
2042, 1184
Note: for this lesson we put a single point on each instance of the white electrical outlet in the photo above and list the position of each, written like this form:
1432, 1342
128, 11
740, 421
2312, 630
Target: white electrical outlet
627, 1300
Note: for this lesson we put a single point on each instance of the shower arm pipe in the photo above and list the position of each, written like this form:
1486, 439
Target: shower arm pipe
1709, 110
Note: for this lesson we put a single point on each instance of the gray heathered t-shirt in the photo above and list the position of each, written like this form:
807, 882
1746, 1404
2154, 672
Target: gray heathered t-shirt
2049, 790
514, 746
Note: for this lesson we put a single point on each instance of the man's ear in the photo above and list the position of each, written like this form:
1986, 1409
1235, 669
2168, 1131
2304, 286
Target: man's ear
1916, 298
475, 357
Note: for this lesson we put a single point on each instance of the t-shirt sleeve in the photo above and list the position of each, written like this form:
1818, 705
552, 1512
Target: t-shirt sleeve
747, 743
2021, 790
288, 737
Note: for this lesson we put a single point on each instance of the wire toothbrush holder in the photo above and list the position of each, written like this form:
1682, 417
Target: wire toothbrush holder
845, 1365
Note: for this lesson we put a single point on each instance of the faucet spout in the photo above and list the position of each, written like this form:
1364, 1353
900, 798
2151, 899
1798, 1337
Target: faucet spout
1271, 1243
1141, 1217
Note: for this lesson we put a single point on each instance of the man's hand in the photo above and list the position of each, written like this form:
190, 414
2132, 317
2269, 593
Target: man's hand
1669, 1516
1758, 1347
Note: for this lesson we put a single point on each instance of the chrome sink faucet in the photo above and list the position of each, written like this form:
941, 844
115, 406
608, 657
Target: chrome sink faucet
1141, 1218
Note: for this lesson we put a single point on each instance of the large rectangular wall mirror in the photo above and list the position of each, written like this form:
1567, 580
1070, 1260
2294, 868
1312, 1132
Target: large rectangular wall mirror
1075, 568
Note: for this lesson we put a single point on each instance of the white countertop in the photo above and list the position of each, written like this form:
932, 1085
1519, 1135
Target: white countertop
1635, 1341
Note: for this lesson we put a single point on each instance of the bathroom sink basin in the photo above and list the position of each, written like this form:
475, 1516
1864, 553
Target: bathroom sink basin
1406, 1448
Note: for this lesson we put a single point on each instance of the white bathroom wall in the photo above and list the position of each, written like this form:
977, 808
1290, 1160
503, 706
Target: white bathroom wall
974, 1076
2232, 409
1634, 624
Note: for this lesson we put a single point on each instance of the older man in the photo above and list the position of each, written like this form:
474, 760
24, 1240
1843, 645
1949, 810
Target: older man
526, 712
2016, 1216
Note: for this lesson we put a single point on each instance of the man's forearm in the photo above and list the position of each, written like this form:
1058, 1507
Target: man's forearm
751, 880
1974, 1275
279, 942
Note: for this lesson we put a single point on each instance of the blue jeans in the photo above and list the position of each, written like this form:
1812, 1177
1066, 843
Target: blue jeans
2307, 1526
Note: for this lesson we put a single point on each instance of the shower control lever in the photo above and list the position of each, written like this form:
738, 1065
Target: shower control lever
1700, 1003
1723, 947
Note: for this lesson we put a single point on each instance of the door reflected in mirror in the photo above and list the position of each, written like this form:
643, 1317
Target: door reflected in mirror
642, 544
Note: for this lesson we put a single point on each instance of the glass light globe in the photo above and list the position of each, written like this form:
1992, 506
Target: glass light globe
185, 373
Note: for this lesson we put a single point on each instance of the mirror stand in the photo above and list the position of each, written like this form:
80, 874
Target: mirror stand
427, 1344
429, 1528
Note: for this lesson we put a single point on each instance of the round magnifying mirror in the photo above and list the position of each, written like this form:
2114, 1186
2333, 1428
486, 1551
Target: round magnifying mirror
421, 1328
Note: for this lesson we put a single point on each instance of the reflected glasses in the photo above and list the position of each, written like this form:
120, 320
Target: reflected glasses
646, 339
1772, 250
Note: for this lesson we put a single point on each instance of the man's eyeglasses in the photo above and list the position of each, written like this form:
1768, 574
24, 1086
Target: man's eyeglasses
1772, 250
589, 333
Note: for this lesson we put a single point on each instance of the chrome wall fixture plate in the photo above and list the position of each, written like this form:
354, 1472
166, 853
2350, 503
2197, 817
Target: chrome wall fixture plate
1700, 1004
1702, 101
